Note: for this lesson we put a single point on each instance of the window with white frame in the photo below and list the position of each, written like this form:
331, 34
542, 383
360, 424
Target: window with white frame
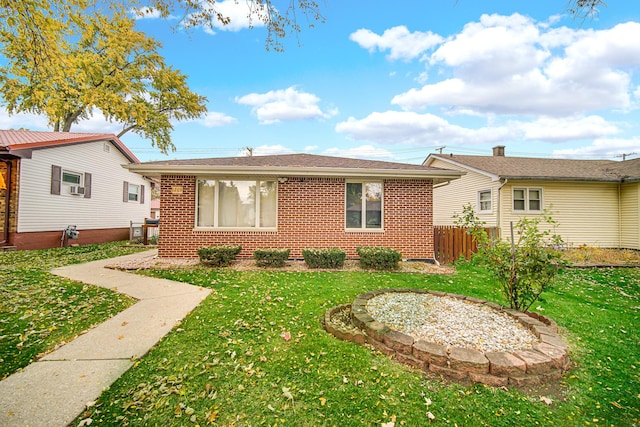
363, 207
224, 203
71, 178
484, 201
133, 192
527, 199
70, 182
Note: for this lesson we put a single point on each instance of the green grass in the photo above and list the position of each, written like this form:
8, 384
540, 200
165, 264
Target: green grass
39, 310
228, 363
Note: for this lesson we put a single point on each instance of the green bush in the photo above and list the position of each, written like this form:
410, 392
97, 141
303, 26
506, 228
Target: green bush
379, 258
271, 257
218, 256
324, 257
527, 265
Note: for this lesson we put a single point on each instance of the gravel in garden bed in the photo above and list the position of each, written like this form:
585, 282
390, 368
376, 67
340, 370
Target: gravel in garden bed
450, 322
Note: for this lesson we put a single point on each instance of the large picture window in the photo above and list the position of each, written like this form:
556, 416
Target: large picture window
527, 199
363, 208
236, 203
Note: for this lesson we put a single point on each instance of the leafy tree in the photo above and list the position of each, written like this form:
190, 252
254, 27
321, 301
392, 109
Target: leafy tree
526, 266
97, 61
67, 58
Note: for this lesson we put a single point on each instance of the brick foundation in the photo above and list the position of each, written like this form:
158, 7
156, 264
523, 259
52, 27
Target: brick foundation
311, 213
51, 239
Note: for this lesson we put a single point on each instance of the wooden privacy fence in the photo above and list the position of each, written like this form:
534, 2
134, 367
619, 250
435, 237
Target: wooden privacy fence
450, 243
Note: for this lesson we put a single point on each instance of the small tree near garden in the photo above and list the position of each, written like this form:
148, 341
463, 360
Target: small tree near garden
527, 265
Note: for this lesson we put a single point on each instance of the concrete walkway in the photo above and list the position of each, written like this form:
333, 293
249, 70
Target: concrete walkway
54, 390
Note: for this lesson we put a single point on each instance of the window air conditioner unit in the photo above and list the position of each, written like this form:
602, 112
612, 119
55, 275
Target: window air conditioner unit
76, 190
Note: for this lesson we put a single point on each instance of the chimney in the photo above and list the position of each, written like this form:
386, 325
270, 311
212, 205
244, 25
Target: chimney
498, 151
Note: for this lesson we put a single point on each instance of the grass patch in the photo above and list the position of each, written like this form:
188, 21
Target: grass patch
255, 353
40, 310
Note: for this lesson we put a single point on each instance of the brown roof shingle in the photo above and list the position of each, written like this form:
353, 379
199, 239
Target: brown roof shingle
294, 165
557, 169
292, 161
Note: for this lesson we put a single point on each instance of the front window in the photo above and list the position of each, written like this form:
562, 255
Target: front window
527, 199
484, 201
363, 205
134, 192
236, 204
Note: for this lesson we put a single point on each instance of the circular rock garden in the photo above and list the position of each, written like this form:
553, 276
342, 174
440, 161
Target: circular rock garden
462, 338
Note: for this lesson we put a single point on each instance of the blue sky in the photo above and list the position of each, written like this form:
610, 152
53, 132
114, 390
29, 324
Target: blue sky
397, 82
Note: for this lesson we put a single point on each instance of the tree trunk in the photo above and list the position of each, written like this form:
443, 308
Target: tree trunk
69, 120
125, 130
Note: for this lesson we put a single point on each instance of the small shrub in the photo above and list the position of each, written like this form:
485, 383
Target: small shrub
525, 267
379, 258
218, 256
271, 257
324, 257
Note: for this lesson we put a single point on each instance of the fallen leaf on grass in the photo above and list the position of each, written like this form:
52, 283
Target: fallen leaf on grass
323, 401
286, 336
546, 400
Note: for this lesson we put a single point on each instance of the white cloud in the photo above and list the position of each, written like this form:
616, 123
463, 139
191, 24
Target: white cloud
603, 148
362, 152
97, 123
395, 127
215, 119
242, 15
566, 129
148, 13
23, 120
285, 105
511, 65
399, 41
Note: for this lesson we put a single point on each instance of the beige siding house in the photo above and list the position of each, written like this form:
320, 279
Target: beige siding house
595, 202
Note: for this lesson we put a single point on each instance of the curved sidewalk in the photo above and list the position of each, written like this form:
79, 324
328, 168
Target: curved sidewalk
54, 390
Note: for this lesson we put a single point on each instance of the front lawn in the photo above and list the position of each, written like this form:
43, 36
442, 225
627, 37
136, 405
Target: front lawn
39, 310
255, 353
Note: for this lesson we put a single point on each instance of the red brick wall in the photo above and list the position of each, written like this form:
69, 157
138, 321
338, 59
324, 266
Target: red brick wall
310, 215
52, 239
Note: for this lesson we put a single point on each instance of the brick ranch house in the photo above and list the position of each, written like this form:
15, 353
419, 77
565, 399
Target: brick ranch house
295, 202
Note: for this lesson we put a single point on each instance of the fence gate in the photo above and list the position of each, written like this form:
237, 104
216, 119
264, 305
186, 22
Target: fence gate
450, 243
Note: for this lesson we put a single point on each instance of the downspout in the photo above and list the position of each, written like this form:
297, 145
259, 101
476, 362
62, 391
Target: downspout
7, 206
619, 215
499, 215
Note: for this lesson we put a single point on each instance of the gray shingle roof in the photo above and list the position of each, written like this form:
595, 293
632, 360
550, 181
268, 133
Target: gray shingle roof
556, 169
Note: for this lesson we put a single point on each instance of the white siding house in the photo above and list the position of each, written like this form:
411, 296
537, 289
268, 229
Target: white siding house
69, 179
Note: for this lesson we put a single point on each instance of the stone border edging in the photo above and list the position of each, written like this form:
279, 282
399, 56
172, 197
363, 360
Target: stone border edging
544, 362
